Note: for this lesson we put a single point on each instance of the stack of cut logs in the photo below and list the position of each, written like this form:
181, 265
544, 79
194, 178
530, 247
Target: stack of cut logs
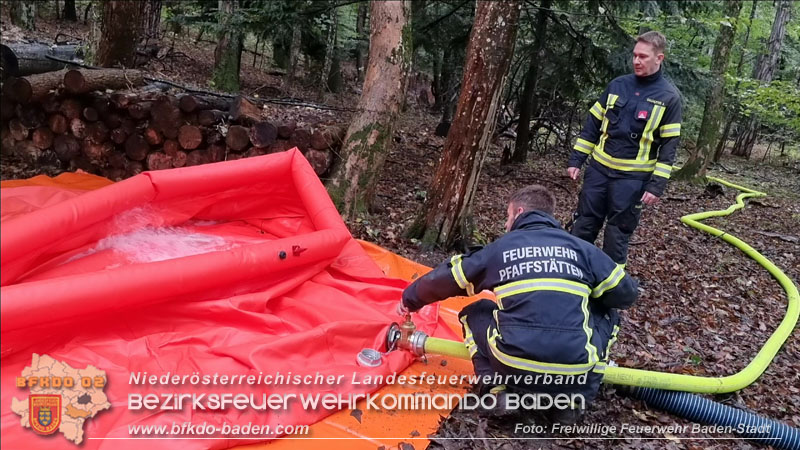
93, 120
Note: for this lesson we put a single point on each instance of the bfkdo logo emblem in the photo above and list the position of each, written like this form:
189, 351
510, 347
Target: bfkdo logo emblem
45, 413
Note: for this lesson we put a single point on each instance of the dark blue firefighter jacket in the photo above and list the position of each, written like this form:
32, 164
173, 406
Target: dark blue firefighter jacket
556, 295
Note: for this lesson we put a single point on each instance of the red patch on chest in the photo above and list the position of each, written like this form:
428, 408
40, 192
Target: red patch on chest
641, 115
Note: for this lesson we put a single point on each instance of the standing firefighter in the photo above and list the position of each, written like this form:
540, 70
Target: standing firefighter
555, 317
632, 135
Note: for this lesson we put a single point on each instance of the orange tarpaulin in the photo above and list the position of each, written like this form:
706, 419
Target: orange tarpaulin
235, 268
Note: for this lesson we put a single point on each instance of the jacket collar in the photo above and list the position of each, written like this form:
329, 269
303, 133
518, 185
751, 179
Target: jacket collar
652, 77
532, 220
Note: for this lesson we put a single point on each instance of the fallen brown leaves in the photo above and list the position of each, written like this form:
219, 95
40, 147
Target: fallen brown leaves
705, 308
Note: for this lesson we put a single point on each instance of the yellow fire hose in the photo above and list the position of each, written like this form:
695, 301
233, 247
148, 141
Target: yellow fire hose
678, 382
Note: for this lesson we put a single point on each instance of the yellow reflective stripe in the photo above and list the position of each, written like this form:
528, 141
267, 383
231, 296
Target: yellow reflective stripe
591, 350
627, 165
455, 265
578, 148
600, 367
597, 111
584, 146
611, 341
469, 340
535, 366
670, 130
497, 389
612, 98
647, 135
496, 323
663, 170
458, 275
541, 284
611, 282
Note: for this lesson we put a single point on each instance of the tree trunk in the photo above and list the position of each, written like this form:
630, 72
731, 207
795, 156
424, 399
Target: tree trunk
150, 18
228, 54
330, 48
335, 80
22, 13
765, 69
451, 71
445, 217
698, 162
369, 135
119, 34
436, 84
86, 12
732, 114
361, 35
294, 52
528, 104
280, 51
70, 13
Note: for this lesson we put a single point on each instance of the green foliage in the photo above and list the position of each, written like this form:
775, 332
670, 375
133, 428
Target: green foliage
439, 26
267, 19
588, 43
776, 104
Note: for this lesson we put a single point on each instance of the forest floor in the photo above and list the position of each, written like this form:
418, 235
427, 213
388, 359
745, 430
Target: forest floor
704, 307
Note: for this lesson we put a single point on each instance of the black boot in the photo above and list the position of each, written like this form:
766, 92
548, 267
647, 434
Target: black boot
501, 401
567, 416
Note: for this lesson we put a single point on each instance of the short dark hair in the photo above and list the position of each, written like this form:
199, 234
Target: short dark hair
534, 197
654, 38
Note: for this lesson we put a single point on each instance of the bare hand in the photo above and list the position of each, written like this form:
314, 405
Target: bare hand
649, 199
573, 172
401, 309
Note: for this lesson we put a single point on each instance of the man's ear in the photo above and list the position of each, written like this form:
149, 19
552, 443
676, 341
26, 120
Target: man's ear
520, 210
660, 57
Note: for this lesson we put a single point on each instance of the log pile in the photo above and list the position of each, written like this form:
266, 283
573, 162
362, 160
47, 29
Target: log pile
94, 121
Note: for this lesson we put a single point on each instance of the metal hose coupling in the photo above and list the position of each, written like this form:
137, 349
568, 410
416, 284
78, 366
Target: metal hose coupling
406, 337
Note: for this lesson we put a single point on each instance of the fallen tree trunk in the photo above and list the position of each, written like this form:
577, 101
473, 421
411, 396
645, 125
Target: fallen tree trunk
120, 134
244, 112
210, 117
195, 102
42, 138
66, 147
36, 87
57, 123
190, 137
32, 58
263, 134
238, 138
82, 82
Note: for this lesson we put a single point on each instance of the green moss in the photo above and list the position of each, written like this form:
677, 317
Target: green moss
366, 154
407, 43
430, 239
226, 74
689, 170
417, 228
337, 193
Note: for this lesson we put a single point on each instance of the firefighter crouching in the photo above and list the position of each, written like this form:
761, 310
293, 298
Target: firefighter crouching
556, 295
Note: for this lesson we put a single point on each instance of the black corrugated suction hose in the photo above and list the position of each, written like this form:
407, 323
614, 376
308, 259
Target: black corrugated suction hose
702, 410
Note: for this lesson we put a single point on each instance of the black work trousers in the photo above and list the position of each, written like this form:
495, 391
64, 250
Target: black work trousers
616, 201
477, 322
